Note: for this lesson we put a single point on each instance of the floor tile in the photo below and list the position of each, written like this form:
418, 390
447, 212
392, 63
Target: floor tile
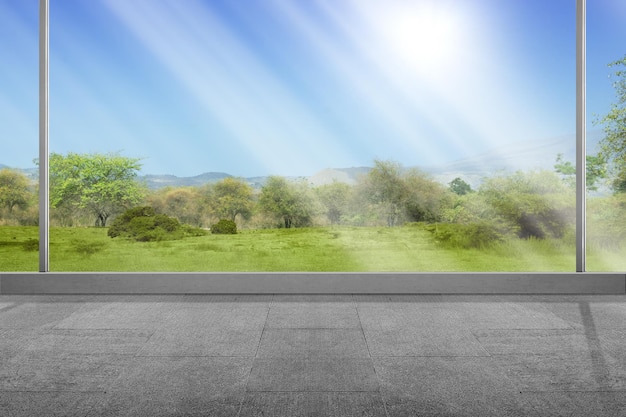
202, 341
119, 315
284, 343
447, 387
32, 371
301, 404
88, 342
48, 404
420, 341
329, 311
506, 315
577, 404
214, 316
312, 374
563, 342
544, 373
596, 312
36, 315
178, 386
15, 341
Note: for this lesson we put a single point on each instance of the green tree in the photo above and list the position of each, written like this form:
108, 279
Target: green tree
534, 204
613, 145
335, 198
426, 198
596, 171
183, 203
103, 185
460, 187
384, 187
14, 190
289, 202
232, 197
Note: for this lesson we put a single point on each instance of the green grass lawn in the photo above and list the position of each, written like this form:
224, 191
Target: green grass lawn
345, 249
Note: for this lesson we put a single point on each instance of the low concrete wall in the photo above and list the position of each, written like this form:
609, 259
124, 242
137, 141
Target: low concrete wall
312, 283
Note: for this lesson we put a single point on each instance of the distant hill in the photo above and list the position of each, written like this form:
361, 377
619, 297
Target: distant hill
31, 173
528, 155
160, 181
345, 175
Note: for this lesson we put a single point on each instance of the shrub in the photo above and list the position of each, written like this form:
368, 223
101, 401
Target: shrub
145, 225
473, 235
224, 227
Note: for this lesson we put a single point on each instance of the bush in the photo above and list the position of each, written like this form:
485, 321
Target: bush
224, 227
143, 224
473, 235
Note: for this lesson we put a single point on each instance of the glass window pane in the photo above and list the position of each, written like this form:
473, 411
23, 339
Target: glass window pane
606, 143
19, 133
337, 136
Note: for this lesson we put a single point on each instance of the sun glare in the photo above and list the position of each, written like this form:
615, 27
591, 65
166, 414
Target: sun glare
424, 37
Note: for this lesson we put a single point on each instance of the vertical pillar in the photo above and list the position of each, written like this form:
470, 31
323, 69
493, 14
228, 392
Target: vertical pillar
43, 138
581, 133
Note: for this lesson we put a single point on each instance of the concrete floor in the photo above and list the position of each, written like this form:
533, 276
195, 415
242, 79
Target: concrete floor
313, 355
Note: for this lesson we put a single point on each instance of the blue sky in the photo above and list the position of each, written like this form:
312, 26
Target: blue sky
290, 87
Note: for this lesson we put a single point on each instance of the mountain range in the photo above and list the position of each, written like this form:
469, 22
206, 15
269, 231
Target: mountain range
528, 155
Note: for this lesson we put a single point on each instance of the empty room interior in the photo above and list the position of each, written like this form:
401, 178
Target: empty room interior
313, 208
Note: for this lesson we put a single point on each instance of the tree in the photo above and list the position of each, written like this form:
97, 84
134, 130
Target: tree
232, 197
385, 187
14, 190
534, 204
335, 198
594, 172
613, 145
426, 198
180, 202
460, 187
287, 201
100, 184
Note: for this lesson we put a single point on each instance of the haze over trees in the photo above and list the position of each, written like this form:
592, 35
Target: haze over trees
91, 189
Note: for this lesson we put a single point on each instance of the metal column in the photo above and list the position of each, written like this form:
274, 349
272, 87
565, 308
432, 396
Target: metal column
581, 133
43, 138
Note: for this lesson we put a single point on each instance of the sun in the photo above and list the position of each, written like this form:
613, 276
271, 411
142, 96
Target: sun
423, 36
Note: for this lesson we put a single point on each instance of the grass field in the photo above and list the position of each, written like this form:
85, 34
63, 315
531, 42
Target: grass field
345, 249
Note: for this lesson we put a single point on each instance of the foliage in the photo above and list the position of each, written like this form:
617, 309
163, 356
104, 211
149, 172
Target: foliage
224, 227
14, 189
613, 145
385, 188
183, 203
289, 202
143, 224
103, 185
596, 170
17, 199
232, 197
400, 194
606, 227
472, 235
535, 204
425, 199
460, 187
335, 199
